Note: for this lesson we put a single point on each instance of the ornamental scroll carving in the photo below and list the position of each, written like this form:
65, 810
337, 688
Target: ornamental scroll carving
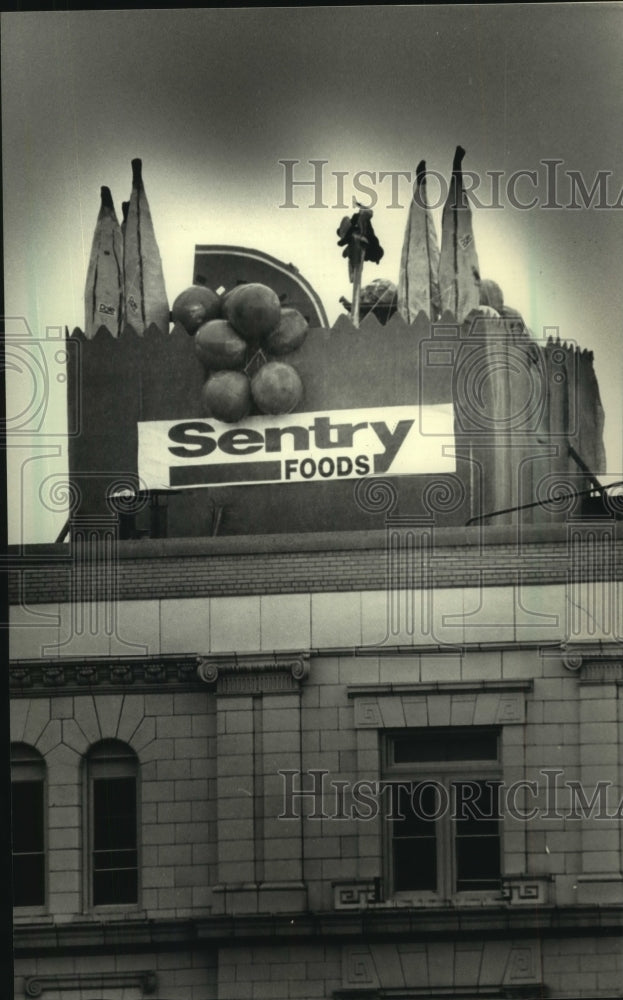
254, 673
594, 663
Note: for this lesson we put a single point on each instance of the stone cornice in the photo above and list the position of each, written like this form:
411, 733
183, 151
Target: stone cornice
147, 934
226, 673
473, 537
82, 675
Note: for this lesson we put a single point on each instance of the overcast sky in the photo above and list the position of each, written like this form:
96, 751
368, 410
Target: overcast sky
212, 100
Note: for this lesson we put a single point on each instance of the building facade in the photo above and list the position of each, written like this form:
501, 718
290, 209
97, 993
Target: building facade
376, 757
206, 768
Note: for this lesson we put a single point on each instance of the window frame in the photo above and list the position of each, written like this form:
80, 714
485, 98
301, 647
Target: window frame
109, 758
28, 765
444, 772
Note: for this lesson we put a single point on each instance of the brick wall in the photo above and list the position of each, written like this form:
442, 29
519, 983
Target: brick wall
364, 561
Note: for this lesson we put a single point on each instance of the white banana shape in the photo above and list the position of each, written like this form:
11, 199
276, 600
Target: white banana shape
145, 297
104, 283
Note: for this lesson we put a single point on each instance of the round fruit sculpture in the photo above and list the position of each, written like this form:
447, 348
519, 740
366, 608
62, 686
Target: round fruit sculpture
195, 306
235, 336
379, 292
491, 294
219, 346
227, 396
289, 333
276, 388
253, 310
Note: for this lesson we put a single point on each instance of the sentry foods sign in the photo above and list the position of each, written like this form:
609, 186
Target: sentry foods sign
297, 448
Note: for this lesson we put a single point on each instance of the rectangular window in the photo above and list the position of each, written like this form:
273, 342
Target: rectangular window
477, 837
115, 857
444, 825
27, 820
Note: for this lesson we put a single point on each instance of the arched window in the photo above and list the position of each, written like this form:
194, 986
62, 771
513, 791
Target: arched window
28, 825
112, 769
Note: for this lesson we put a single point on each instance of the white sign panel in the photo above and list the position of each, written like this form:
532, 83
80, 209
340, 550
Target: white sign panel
297, 448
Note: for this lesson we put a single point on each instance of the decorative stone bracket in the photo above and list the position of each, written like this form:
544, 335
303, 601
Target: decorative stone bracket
594, 663
254, 674
35, 986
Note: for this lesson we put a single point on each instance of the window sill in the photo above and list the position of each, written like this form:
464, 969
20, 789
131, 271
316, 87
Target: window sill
30, 913
115, 911
456, 902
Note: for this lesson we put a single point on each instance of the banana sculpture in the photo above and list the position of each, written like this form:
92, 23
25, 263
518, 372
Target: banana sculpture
103, 294
459, 276
418, 285
144, 293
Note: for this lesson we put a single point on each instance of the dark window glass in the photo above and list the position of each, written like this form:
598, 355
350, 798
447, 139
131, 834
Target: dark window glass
115, 860
115, 885
444, 745
28, 843
441, 811
414, 836
415, 865
477, 836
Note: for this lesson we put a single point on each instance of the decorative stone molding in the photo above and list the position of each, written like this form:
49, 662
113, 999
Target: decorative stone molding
87, 674
20, 676
572, 661
594, 663
610, 672
441, 687
356, 894
379, 706
254, 673
526, 890
35, 986
53, 674
72, 676
517, 890
452, 993
412, 969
